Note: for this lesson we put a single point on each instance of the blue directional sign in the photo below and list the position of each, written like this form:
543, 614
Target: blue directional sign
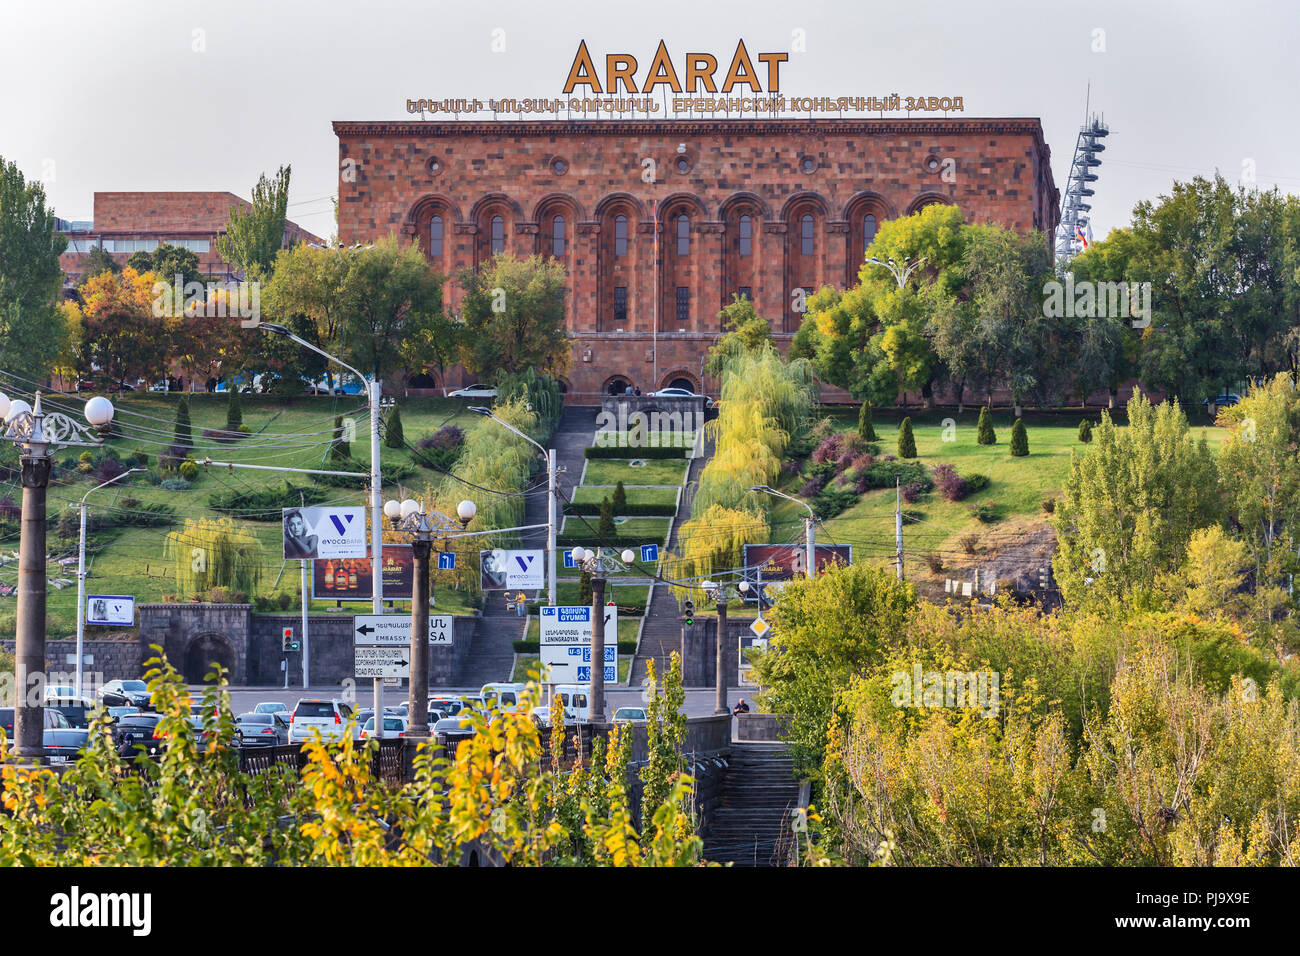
568, 559
447, 561
649, 553
611, 654
584, 674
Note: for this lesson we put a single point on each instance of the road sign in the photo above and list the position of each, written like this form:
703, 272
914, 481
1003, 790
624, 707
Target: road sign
568, 559
394, 630
584, 675
760, 628
566, 643
382, 662
571, 624
447, 561
649, 553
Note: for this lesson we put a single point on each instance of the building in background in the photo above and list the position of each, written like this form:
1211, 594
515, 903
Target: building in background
761, 207
129, 222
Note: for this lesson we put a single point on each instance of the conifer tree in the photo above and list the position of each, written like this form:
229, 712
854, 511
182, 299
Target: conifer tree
906, 443
984, 430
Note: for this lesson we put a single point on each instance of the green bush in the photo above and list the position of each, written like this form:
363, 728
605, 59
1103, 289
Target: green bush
1019, 439
975, 483
234, 413
627, 511
986, 513
340, 450
606, 527
615, 451
184, 433
886, 474
866, 428
984, 430
539, 391
189, 470
265, 504
174, 484
620, 498
393, 472
141, 457
393, 435
86, 458
906, 443
1085, 431
832, 502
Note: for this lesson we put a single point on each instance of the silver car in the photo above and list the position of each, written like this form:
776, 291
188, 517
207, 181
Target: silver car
261, 730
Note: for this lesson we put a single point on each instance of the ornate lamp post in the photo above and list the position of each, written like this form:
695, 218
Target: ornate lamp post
38, 434
423, 527
597, 564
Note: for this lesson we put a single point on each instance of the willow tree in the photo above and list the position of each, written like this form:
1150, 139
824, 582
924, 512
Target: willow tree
713, 542
214, 552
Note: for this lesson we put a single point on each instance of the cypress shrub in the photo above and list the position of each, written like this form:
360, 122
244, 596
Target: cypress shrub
985, 434
620, 498
1019, 440
393, 436
584, 588
606, 527
866, 429
234, 414
340, 450
184, 433
906, 443
1085, 431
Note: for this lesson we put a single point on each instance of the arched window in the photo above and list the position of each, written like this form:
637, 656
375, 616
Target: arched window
806, 234
683, 235
746, 236
557, 237
868, 230
620, 236
498, 235
435, 237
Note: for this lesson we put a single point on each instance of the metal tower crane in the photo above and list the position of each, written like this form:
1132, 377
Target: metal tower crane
1075, 205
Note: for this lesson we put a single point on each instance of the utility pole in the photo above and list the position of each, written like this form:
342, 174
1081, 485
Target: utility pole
306, 603
720, 678
810, 547
597, 705
898, 526
81, 574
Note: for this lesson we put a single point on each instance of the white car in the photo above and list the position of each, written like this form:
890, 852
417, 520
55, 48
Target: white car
506, 696
474, 391
274, 707
394, 726
56, 694
681, 393
328, 717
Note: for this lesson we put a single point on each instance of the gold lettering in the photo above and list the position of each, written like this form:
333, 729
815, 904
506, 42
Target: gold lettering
701, 66
583, 71
661, 72
773, 61
619, 66
741, 71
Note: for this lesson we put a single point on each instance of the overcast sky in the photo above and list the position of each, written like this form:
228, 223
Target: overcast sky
196, 94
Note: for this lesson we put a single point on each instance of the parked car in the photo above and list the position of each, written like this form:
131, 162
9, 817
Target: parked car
450, 706
312, 715
633, 714
1227, 398
504, 696
125, 693
62, 741
137, 730
261, 730
79, 713
394, 726
56, 694
681, 393
474, 391
274, 707
117, 713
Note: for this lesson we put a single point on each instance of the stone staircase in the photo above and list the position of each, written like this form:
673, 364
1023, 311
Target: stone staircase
662, 633
491, 653
751, 824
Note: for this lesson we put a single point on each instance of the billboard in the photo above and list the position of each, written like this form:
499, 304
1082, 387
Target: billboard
350, 579
116, 609
324, 533
513, 570
783, 562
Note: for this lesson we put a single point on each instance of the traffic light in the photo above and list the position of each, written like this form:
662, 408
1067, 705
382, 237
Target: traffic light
289, 642
689, 610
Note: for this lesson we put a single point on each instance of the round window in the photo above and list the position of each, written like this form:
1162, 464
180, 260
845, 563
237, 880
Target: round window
808, 165
683, 164
435, 166
559, 166
932, 163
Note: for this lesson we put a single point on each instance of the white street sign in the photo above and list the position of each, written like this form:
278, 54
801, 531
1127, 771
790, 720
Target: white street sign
394, 630
382, 662
566, 643
571, 624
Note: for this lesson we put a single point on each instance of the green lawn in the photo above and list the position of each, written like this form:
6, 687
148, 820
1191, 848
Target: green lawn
284, 433
652, 530
661, 471
592, 494
1017, 486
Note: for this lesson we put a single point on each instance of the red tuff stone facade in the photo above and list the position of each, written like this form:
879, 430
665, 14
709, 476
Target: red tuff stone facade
127, 222
763, 207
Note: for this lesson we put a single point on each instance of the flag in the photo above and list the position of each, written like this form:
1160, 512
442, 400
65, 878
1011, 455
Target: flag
1078, 233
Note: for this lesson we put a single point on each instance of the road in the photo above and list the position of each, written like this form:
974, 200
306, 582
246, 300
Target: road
699, 701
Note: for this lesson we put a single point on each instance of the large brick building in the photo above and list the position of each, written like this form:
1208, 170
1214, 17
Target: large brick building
762, 207
129, 222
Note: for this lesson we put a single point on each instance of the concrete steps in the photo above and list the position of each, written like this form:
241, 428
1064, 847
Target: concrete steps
751, 824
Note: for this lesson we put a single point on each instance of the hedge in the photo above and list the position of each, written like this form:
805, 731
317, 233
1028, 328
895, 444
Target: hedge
627, 511
616, 541
616, 451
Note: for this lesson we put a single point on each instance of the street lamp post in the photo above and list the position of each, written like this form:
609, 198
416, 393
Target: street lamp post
809, 535
720, 595
38, 434
594, 562
423, 527
373, 390
81, 572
